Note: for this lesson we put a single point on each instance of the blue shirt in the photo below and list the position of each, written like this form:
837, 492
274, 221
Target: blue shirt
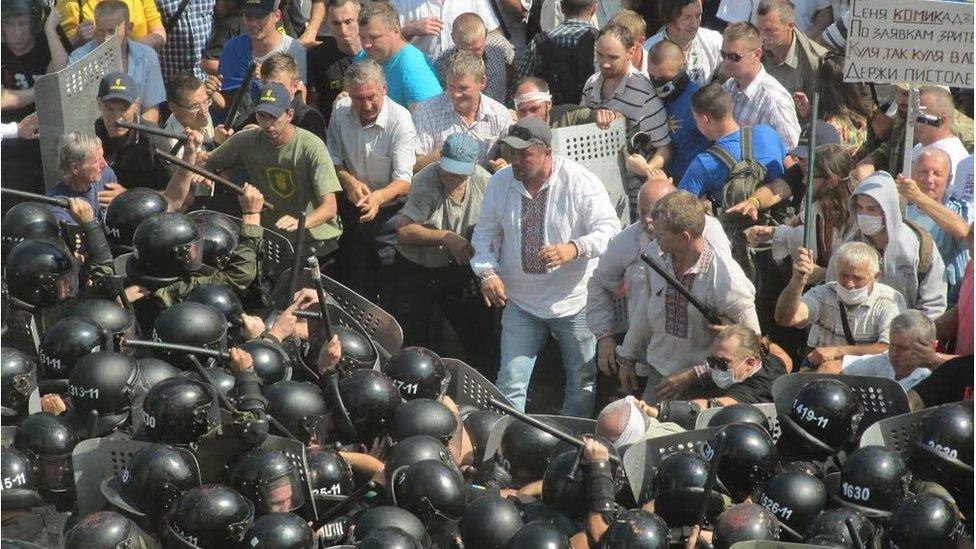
686, 140
706, 174
91, 195
236, 58
143, 68
410, 78
954, 251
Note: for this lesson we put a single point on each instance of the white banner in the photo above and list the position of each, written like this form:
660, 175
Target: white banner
913, 41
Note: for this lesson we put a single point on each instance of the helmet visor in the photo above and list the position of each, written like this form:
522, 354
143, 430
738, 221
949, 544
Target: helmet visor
54, 473
190, 256
283, 494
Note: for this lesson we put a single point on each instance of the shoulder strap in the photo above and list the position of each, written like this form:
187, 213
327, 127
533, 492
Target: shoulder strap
171, 22
925, 245
845, 324
746, 137
723, 156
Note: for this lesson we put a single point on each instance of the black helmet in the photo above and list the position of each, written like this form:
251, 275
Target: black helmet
113, 317
269, 479
152, 480
47, 441
418, 373
414, 449
678, 487
430, 489
745, 522
637, 529
489, 522
748, 460
829, 529
795, 498
299, 407
478, 425
179, 411
358, 350
167, 245
209, 516
18, 489
153, 370
190, 323
67, 341
218, 243
105, 530
271, 362
126, 212
562, 492
102, 384
423, 416
18, 377
41, 272
943, 448
874, 480
388, 538
740, 413
225, 301
280, 531
925, 520
539, 535
329, 477
223, 380
26, 221
386, 516
526, 451
823, 418
364, 404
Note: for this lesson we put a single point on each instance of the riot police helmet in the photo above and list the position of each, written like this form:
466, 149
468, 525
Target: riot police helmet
823, 418
740, 413
364, 403
745, 522
829, 529
224, 300
271, 362
430, 489
795, 498
269, 479
25, 221
678, 487
418, 373
874, 480
66, 342
387, 516
424, 416
925, 520
126, 211
299, 407
102, 387
280, 531
41, 272
329, 476
943, 448
748, 458
110, 315
539, 535
166, 246
105, 530
637, 529
18, 489
18, 377
179, 411
414, 449
212, 515
152, 480
489, 522
47, 440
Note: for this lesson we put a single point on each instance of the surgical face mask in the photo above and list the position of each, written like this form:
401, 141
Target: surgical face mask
870, 224
852, 297
723, 372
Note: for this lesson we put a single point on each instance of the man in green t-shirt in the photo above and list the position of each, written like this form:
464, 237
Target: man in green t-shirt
433, 250
290, 166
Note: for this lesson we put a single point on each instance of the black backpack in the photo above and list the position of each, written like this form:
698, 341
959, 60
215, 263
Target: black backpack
566, 69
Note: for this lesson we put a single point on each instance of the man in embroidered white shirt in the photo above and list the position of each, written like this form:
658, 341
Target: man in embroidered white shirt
543, 222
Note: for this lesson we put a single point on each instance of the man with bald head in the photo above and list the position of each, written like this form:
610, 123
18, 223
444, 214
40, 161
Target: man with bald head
945, 217
669, 76
620, 272
938, 102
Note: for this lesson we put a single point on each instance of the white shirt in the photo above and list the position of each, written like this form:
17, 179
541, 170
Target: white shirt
702, 57
806, 10
173, 125
736, 11
880, 366
434, 46
869, 321
576, 208
957, 152
964, 178
436, 120
375, 154
765, 101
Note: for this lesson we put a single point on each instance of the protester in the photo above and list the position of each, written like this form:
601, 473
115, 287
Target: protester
681, 21
470, 33
328, 61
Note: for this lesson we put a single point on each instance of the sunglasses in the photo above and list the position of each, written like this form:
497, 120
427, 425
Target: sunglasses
718, 363
521, 133
732, 56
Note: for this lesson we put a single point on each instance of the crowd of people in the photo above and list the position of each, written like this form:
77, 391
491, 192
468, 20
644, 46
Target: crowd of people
768, 218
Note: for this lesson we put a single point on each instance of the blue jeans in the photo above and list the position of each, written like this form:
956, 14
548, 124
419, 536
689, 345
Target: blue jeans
523, 335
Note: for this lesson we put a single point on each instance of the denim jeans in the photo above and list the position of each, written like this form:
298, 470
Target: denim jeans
523, 335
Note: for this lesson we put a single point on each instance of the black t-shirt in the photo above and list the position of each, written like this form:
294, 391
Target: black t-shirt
327, 65
132, 158
951, 382
797, 183
756, 388
20, 71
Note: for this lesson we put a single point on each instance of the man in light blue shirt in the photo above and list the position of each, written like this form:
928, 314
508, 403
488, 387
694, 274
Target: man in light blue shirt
410, 78
139, 61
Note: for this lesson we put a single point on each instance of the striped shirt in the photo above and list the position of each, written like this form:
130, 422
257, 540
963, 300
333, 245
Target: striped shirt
436, 119
566, 35
635, 99
765, 101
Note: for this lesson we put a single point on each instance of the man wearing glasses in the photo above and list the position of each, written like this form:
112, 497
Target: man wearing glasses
189, 102
757, 97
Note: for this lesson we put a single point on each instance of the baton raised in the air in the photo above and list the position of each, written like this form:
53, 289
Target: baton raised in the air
712, 477
63, 202
296, 258
205, 173
707, 312
576, 442
313, 265
235, 102
151, 130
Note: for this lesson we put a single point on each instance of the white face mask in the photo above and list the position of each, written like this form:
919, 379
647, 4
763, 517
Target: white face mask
724, 379
856, 296
870, 224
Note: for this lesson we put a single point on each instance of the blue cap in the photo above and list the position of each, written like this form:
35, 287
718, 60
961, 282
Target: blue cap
273, 99
459, 154
117, 85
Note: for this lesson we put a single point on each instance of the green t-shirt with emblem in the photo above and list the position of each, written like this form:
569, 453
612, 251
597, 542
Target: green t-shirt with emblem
293, 176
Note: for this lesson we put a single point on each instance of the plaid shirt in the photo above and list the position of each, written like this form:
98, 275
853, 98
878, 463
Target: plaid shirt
765, 101
189, 37
566, 35
436, 119
499, 55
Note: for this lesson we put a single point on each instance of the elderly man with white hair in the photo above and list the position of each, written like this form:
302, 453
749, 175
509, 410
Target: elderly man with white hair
945, 217
85, 173
848, 316
911, 356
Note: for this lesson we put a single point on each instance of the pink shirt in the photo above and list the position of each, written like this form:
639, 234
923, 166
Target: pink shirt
964, 331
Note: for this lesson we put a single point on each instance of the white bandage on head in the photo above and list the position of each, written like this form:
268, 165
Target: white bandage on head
636, 425
530, 97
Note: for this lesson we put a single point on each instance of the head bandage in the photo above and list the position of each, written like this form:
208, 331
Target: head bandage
636, 425
530, 97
